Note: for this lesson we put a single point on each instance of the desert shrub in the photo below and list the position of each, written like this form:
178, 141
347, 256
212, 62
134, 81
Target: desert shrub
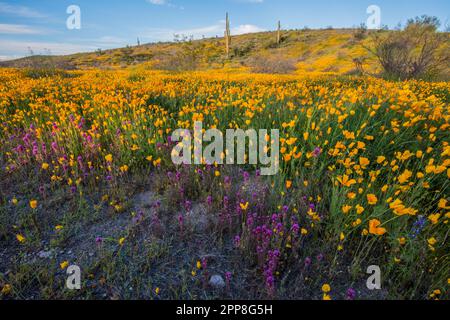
45, 72
272, 65
414, 52
359, 67
360, 33
142, 57
244, 50
136, 77
186, 58
126, 54
271, 44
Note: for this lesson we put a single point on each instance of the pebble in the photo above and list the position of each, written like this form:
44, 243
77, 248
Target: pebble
45, 254
217, 282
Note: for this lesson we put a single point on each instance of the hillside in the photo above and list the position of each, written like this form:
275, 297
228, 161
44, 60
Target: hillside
323, 51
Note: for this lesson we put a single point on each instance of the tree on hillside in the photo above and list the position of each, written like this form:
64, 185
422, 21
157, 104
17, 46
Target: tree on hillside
417, 51
187, 56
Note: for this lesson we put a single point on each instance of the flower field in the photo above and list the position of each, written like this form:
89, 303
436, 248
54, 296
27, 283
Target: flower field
86, 169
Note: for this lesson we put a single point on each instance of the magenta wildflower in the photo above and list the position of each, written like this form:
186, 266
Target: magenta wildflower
237, 241
307, 262
228, 276
351, 294
188, 205
204, 263
317, 152
54, 146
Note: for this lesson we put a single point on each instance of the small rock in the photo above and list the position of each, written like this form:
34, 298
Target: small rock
145, 200
197, 218
217, 282
45, 254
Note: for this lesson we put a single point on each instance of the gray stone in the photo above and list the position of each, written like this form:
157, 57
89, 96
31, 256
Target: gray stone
197, 218
45, 254
145, 199
217, 282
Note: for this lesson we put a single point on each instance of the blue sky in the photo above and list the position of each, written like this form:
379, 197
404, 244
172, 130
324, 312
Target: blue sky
41, 25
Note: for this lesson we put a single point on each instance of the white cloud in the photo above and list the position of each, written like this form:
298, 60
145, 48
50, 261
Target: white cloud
18, 29
104, 42
165, 3
22, 48
161, 34
202, 31
13, 49
250, 1
157, 2
111, 40
6, 58
167, 34
246, 28
20, 11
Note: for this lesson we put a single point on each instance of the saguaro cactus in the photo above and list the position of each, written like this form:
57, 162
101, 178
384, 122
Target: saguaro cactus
279, 33
227, 36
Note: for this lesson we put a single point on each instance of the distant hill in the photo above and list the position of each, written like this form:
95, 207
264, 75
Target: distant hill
300, 51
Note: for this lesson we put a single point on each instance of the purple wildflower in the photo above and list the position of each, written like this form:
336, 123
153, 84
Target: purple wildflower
351, 294
317, 152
